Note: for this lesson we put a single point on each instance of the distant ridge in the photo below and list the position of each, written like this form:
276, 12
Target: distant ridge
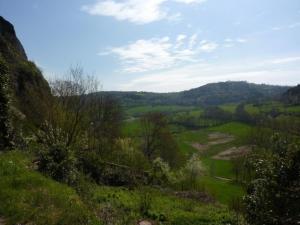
292, 95
209, 94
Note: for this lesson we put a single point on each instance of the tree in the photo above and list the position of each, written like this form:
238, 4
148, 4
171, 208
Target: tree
242, 115
152, 125
5, 122
63, 134
68, 111
273, 195
157, 140
218, 113
105, 119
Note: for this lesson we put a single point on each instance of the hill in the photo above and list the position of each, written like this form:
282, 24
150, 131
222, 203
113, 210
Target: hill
209, 94
29, 88
292, 95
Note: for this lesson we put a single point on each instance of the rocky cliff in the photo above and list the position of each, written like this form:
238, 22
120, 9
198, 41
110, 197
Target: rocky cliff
29, 88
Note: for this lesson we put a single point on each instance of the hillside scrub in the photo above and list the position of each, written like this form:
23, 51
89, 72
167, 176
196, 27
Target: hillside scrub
28, 197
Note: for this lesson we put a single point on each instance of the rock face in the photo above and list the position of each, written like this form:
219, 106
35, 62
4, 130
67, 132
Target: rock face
29, 88
10, 46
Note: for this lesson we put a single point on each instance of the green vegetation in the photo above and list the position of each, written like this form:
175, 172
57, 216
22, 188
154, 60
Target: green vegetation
208, 95
5, 117
229, 107
177, 158
27, 196
140, 110
273, 193
162, 206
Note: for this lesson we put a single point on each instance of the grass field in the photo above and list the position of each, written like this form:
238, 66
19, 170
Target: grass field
223, 190
139, 110
161, 206
268, 107
27, 197
229, 107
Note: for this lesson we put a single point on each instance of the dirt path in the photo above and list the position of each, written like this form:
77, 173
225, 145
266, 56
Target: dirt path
219, 138
223, 178
144, 222
232, 153
2, 221
199, 147
214, 139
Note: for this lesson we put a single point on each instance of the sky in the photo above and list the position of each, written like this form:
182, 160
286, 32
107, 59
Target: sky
161, 45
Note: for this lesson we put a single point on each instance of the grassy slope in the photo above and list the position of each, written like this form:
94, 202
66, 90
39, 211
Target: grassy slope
167, 207
139, 110
267, 107
223, 190
28, 197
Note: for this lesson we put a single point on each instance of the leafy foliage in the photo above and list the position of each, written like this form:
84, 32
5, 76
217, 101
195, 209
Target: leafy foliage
55, 158
157, 140
5, 120
28, 197
274, 194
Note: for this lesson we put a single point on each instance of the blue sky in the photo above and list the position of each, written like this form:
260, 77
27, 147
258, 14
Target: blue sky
162, 45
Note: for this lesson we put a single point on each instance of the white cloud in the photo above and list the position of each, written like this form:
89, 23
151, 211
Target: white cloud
160, 53
135, 11
277, 28
190, 1
181, 37
193, 40
294, 25
191, 76
207, 46
229, 42
241, 40
290, 26
285, 60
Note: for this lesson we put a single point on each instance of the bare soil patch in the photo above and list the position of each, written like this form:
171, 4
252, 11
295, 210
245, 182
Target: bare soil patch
232, 153
145, 222
215, 139
219, 138
2, 221
217, 135
199, 147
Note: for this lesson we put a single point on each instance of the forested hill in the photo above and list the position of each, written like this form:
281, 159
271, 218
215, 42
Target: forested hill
28, 86
209, 94
292, 96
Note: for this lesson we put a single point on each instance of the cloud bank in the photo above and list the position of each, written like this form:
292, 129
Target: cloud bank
136, 11
153, 54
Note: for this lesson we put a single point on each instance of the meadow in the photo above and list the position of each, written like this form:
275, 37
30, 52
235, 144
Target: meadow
218, 179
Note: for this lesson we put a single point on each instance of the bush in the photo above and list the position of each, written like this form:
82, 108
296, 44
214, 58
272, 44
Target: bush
27, 197
59, 162
189, 175
54, 157
273, 194
160, 173
5, 120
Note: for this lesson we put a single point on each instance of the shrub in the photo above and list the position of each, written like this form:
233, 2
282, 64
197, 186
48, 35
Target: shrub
160, 173
54, 157
5, 120
273, 194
